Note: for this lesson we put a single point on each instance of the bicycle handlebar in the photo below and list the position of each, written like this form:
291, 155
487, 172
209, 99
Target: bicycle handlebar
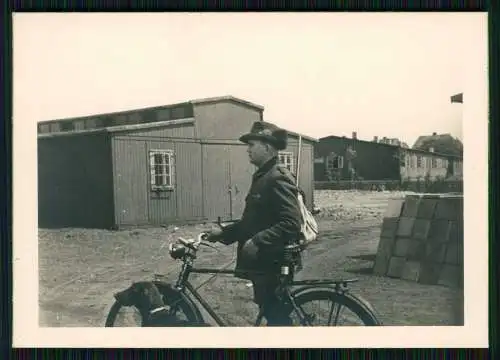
180, 248
194, 244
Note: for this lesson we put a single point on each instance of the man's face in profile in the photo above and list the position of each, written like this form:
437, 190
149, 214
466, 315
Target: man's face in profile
258, 152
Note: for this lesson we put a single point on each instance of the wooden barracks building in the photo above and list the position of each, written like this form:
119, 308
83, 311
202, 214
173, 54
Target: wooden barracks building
154, 166
380, 160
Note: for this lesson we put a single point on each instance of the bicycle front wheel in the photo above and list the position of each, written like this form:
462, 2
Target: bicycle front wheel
324, 307
129, 316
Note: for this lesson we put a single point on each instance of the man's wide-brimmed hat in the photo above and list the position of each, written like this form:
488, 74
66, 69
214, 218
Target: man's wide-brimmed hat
267, 132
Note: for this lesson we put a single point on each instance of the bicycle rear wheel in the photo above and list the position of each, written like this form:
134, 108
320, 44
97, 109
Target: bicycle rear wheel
129, 316
354, 311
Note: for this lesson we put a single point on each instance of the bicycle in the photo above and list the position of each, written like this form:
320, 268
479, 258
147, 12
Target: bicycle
180, 304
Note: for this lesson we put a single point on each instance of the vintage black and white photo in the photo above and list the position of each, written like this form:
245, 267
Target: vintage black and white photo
209, 170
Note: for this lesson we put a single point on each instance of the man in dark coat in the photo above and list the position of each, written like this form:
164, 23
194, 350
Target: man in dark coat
271, 220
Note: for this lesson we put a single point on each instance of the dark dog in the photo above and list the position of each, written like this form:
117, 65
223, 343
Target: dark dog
146, 297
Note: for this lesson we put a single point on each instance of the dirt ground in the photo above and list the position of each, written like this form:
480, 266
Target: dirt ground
80, 269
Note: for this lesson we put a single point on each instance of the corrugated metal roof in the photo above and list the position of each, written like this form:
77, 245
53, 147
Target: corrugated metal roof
120, 128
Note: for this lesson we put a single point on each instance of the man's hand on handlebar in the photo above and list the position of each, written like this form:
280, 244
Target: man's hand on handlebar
214, 235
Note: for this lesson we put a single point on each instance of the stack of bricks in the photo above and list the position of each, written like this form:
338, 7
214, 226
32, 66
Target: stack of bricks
422, 240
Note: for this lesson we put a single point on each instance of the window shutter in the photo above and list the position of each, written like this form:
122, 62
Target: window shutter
152, 167
166, 169
172, 169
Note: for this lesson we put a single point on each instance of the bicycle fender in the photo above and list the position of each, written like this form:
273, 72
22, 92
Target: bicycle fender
306, 288
180, 296
363, 301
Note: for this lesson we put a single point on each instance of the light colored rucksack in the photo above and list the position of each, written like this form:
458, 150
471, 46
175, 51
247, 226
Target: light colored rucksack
309, 227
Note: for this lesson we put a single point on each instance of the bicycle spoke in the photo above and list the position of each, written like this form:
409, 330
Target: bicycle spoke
339, 310
336, 314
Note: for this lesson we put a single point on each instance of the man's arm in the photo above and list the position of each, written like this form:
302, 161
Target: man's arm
284, 198
232, 233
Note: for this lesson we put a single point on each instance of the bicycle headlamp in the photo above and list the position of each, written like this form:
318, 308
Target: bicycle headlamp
177, 251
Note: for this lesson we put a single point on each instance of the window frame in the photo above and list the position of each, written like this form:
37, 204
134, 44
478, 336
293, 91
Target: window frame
428, 162
170, 176
419, 162
287, 155
332, 159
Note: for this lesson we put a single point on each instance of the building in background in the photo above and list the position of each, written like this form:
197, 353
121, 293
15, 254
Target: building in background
391, 141
155, 166
370, 160
441, 143
420, 163
379, 161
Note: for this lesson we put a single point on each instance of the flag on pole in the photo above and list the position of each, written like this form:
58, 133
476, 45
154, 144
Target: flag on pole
458, 98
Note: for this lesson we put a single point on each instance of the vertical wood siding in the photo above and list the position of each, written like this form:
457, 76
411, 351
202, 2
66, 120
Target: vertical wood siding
240, 179
188, 185
184, 131
131, 181
211, 179
224, 120
110, 179
216, 181
136, 202
306, 166
226, 169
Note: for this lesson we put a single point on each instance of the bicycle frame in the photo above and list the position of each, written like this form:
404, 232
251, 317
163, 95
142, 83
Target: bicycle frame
198, 297
187, 268
286, 280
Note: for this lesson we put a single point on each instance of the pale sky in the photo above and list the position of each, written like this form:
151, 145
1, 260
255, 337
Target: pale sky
319, 74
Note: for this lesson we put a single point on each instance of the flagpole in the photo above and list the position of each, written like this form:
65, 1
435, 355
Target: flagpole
298, 160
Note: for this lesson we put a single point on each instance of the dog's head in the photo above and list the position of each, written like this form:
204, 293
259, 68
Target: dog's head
144, 295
